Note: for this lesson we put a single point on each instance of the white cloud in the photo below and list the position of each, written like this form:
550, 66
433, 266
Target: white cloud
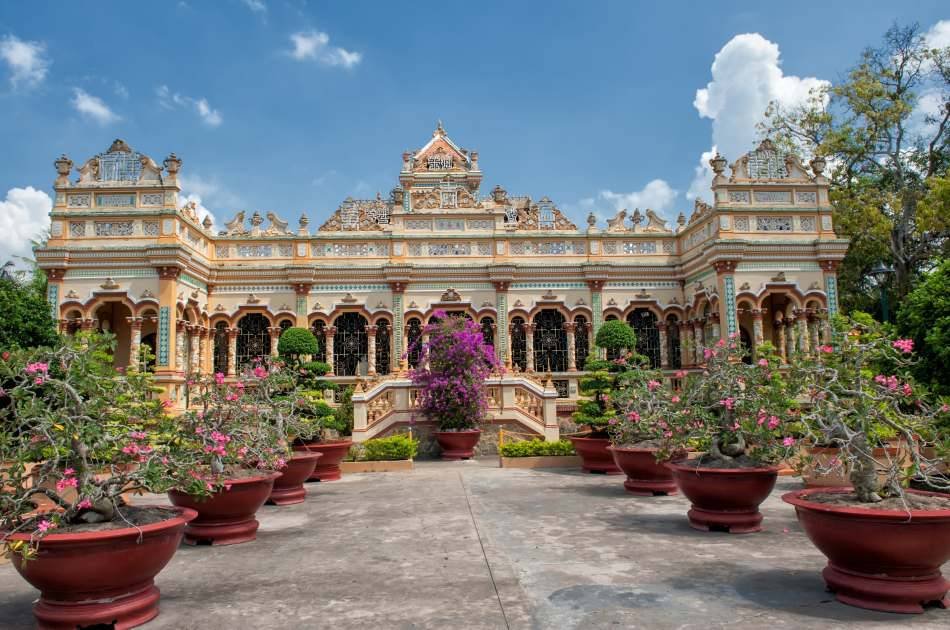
939, 35
208, 192
657, 195
24, 215
173, 100
314, 46
93, 107
746, 77
120, 89
27, 60
257, 6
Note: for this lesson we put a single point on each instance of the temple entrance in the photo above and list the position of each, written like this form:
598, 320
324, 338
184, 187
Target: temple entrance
113, 318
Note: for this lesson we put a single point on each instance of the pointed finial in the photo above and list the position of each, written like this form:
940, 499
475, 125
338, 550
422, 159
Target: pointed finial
681, 219
439, 129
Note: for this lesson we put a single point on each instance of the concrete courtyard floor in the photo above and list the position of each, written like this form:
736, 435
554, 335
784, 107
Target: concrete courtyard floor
469, 545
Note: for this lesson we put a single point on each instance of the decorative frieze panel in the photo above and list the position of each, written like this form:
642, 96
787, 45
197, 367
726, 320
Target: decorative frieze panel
548, 248
351, 249
150, 228
481, 224
806, 224
826, 222
83, 200
484, 249
119, 200
113, 228
255, 251
448, 225
77, 229
285, 251
741, 224
152, 199
773, 224
639, 247
669, 247
448, 249
739, 196
222, 251
772, 196
418, 224
806, 197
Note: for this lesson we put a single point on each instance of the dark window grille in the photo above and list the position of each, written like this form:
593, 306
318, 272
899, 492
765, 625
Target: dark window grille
383, 356
562, 388
284, 325
519, 345
319, 330
550, 342
643, 322
488, 332
221, 348
581, 341
253, 342
414, 341
673, 343
350, 347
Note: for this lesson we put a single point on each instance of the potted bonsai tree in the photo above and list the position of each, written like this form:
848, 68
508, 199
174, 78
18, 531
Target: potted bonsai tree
330, 427
453, 366
738, 415
885, 543
601, 383
295, 344
240, 452
101, 433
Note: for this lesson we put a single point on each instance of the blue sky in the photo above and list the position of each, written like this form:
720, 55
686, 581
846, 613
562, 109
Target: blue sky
291, 106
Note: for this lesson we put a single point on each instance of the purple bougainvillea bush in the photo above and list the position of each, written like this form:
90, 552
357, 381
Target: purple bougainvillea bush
453, 366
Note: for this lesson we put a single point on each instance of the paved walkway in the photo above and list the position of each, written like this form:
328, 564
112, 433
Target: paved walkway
467, 545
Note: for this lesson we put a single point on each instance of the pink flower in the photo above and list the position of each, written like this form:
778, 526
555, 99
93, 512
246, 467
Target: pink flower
260, 372
763, 363
612, 421
681, 374
733, 335
633, 416
45, 525
167, 404
728, 403
708, 353
907, 390
904, 345
85, 504
788, 441
219, 378
675, 398
69, 472
66, 482
826, 349
652, 385
774, 422
721, 343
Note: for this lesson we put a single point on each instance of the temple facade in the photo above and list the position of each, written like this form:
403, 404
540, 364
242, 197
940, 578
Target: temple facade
125, 256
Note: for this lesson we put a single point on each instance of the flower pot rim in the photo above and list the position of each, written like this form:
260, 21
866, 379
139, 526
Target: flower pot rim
463, 431
799, 498
328, 442
890, 449
603, 439
721, 471
636, 449
305, 454
183, 516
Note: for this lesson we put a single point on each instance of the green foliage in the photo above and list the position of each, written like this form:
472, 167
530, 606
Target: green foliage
27, 320
536, 448
295, 342
616, 335
924, 316
394, 447
343, 415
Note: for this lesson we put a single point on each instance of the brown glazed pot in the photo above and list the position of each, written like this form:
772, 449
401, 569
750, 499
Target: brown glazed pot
645, 476
878, 559
227, 516
595, 458
101, 577
458, 445
328, 468
288, 488
725, 499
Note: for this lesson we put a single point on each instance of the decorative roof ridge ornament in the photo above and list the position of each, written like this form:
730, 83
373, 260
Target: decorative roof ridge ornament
348, 299
253, 299
616, 224
451, 295
109, 284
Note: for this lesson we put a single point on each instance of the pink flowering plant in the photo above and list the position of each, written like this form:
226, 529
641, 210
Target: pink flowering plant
75, 434
453, 366
740, 414
862, 389
644, 403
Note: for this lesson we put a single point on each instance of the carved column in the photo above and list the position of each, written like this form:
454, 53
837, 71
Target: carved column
758, 337
664, 351
596, 305
698, 340
779, 326
166, 352
371, 351
569, 328
397, 289
180, 348
232, 351
274, 339
203, 349
803, 336
529, 345
790, 343
686, 338
135, 324
502, 348
194, 351
716, 331
814, 325
302, 290
330, 333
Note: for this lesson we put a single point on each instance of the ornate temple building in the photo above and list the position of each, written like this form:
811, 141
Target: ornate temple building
124, 255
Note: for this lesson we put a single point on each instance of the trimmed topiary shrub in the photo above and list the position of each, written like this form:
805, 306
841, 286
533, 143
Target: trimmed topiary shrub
392, 448
536, 448
616, 335
296, 342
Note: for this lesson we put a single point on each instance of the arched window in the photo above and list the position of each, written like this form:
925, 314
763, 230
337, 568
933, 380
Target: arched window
349, 345
319, 330
673, 342
285, 324
383, 356
581, 341
253, 342
221, 347
414, 341
746, 339
550, 341
643, 322
488, 331
519, 346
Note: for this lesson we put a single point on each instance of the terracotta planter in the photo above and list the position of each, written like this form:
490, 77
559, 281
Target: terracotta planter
226, 517
645, 476
288, 488
457, 445
595, 458
725, 499
838, 478
328, 468
91, 578
878, 559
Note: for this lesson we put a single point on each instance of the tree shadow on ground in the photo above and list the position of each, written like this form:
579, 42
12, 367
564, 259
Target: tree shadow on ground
663, 524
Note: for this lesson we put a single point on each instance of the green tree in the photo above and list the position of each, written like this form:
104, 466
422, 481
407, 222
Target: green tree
296, 342
27, 320
924, 316
884, 132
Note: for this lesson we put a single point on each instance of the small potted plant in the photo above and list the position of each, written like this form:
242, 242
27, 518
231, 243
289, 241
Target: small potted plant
739, 416
885, 542
240, 451
597, 411
453, 366
641, 431
101, 433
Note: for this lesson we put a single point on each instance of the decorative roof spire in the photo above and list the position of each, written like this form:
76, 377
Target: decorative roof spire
439, 130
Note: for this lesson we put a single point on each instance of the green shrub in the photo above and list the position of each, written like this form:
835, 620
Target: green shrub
295, 342
536, 448
389, 448
616, 335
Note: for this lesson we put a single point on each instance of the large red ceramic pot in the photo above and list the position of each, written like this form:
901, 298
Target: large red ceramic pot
595, 458
645, 476
724, 499
227, 516
101, 577
288, 488
878, 559
328, 468
458, 445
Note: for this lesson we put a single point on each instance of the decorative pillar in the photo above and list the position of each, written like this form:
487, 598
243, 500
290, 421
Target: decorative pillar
758, 337
502, 349
780, 333
698, 339
329, 333
202, 362
686, 337
569, 328
180, 348
529, 345
814, 325
302, 289
54, 283
232, 351
371, 350
790, 343
716, 331
135, 324
725, 270
664, 351
194, 353
830, 268
207, 350
274, 339
397, 289
803, 336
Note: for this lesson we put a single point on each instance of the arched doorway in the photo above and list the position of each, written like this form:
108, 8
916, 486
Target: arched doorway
643, 322
113, 318
550, 341
350, 346
253, 341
